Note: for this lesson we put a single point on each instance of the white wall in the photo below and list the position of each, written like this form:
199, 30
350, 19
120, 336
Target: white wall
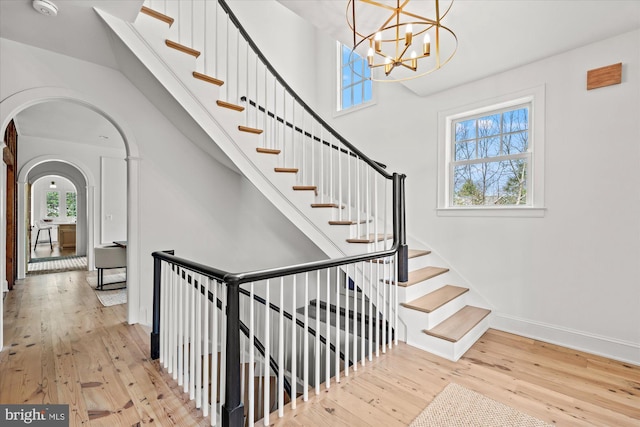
286, 40
113, 199
188, 202
572, 276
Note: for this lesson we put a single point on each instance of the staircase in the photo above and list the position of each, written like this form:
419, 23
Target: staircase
325, 186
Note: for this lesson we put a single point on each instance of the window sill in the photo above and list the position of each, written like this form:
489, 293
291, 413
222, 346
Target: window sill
523, 212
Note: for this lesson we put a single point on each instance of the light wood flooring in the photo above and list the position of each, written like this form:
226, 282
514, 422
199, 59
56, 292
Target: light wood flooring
62, 346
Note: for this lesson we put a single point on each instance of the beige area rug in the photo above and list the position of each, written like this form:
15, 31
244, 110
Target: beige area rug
458, 406
109, 297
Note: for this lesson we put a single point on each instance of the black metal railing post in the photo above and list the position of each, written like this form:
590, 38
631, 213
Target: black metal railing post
155, 330
233, 409
403, 249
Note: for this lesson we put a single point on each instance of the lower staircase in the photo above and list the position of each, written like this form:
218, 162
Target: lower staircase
436, 314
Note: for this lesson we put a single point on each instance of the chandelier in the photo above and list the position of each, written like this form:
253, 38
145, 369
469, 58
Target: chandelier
398, 40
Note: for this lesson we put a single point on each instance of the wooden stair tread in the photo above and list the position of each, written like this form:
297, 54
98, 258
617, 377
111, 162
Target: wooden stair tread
305, 187
436, 299
155, 14
230, 106
286, 170
267, 150
326, 205
182, 48
371, 238
207, 79
412, 253
347, 222
422, 274
457, 326
415, 253
250, 130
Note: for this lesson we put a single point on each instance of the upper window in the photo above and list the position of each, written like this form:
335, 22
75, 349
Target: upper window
491, 157
355, 87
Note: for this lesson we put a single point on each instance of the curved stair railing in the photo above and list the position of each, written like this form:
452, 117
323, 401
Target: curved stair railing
183, 318
352, 189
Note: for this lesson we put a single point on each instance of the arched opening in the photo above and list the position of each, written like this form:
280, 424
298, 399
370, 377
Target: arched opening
73, 153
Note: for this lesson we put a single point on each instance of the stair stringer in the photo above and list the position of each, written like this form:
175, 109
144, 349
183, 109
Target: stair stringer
228, 140
173, 70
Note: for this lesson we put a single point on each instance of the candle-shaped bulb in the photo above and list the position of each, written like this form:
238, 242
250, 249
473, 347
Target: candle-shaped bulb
426, 47
377, 39
388, 66
370, 57
414, 60
408, 34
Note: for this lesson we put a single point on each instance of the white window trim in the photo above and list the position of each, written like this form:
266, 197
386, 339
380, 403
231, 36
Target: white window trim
337, 110
536, 208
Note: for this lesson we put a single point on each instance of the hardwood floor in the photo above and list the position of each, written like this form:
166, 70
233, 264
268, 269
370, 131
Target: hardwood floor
64, 347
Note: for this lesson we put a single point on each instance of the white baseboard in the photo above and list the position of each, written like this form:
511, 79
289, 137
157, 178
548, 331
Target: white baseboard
624, 351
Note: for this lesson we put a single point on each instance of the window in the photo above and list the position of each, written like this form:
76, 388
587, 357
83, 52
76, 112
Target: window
355, 85
490, 158
53, 204
71, 204
490, 162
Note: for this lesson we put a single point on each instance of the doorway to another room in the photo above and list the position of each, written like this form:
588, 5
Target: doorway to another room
52, 212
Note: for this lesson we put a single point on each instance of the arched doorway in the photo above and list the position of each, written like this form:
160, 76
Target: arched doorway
11, 106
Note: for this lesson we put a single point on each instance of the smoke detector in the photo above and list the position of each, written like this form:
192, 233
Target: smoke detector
45, 7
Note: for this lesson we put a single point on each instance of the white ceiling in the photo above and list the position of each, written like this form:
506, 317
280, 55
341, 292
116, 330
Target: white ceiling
496, 35
69, 122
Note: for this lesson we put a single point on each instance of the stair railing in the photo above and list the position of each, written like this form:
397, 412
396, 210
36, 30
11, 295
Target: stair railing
355, 188
187, 323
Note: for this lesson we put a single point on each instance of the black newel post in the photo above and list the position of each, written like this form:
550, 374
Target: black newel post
233, 409
403, 249
157, 282
155, 331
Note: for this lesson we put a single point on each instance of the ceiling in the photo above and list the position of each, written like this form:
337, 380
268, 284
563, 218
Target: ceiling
69, 122
76, 31
495, 35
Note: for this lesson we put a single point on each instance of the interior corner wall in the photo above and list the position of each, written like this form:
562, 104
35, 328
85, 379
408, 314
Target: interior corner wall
570, 277
188, 201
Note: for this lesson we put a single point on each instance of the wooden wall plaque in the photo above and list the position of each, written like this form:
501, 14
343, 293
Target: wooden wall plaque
604, 76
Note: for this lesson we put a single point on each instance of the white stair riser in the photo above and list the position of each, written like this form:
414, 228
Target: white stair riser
448, 350
412, 292
424, 320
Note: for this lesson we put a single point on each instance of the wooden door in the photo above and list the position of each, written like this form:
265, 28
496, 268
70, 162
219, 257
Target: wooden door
9, 155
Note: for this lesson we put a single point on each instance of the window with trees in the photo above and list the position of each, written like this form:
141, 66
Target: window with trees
491, 158
71, 204
53, 204
355, 85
